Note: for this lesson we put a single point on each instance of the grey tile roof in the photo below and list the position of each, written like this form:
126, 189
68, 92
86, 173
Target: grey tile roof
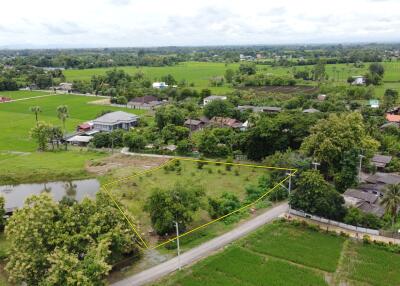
358, 194
115, 118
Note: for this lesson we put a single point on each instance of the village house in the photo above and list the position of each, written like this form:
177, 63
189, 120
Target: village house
225, 122
393, 118
311, 110
256, 109
159, 85
358, 80
211, 98
4, 99
380, 161
364, 201
196, 124
374, 103
148, 102
115, 120
64, 87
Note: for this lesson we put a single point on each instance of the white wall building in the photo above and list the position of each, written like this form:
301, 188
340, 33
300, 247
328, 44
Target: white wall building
211, 98
160, 85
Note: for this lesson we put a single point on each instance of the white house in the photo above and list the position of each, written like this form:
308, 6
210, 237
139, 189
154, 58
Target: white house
115, 120
160, 85
358, 80
211, 98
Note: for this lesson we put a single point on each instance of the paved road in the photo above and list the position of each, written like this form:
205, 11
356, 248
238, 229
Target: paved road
27, 98
203, 250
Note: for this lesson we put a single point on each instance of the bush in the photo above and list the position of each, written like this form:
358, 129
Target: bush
221, 206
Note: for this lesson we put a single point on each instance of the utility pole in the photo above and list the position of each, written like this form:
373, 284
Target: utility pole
290, 185
360, 166
178, 246
316, 164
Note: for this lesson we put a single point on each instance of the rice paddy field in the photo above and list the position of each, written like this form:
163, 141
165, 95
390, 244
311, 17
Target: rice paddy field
200, 73
285, 254
193, 72
22, 94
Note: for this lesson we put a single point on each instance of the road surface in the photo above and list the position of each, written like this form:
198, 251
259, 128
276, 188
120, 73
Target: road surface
203, 250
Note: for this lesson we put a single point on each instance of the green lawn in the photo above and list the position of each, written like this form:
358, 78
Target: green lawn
19, 94
46, 166
193, 72
16, 120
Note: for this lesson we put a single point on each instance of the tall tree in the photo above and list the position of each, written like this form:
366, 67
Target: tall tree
36, 110
41, 133
178, 203
391, 201
330, 138
62, 113
315, 196
67, 243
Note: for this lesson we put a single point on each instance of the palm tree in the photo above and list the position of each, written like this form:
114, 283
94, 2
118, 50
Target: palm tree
62, 113
391, 201
36, 110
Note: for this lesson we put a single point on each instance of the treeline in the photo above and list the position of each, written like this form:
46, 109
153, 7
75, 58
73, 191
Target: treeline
82, 61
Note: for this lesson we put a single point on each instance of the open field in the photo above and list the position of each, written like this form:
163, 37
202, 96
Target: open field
44, 167
273, 263
19, 94
16, 120
213, 179
286, 89
193, 72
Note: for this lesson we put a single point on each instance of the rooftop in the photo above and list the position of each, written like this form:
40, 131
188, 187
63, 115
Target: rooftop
116, 117
358, 194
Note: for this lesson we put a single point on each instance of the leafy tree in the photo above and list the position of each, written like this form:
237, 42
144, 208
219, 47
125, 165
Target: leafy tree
184, 147
41, 133
331, 138
226, 204
178, 203
169, 114
319, 71
36, 110
169, 79
205, 92
229, 73
355, 216
315, 196
218, 108
2, 213
174, 133
66, 244
247, 68
62, 113
55, 135
377, 68
134, 141
390, 98
391, 201
347, 174
101, 140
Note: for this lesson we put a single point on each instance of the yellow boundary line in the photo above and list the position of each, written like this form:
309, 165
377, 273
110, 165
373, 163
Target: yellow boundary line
144, 244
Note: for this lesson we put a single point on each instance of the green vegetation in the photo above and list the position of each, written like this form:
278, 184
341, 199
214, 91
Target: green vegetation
193, 72
370, 264
47, 166
286, 253
20, 94
16, 119
214, 180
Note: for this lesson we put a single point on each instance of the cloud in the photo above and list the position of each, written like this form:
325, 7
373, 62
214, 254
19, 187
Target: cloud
207, 22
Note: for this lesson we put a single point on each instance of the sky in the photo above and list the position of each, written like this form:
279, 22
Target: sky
149, 23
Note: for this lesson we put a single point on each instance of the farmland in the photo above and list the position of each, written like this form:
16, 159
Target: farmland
308, 257
20, 94
192, 72
16, 119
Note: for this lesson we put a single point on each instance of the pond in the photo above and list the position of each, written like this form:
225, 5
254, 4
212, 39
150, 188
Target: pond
15, 195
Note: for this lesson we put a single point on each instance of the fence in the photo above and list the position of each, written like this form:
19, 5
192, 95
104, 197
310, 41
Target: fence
335, 223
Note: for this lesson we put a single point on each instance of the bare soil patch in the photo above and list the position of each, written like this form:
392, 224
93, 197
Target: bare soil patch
119, 161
